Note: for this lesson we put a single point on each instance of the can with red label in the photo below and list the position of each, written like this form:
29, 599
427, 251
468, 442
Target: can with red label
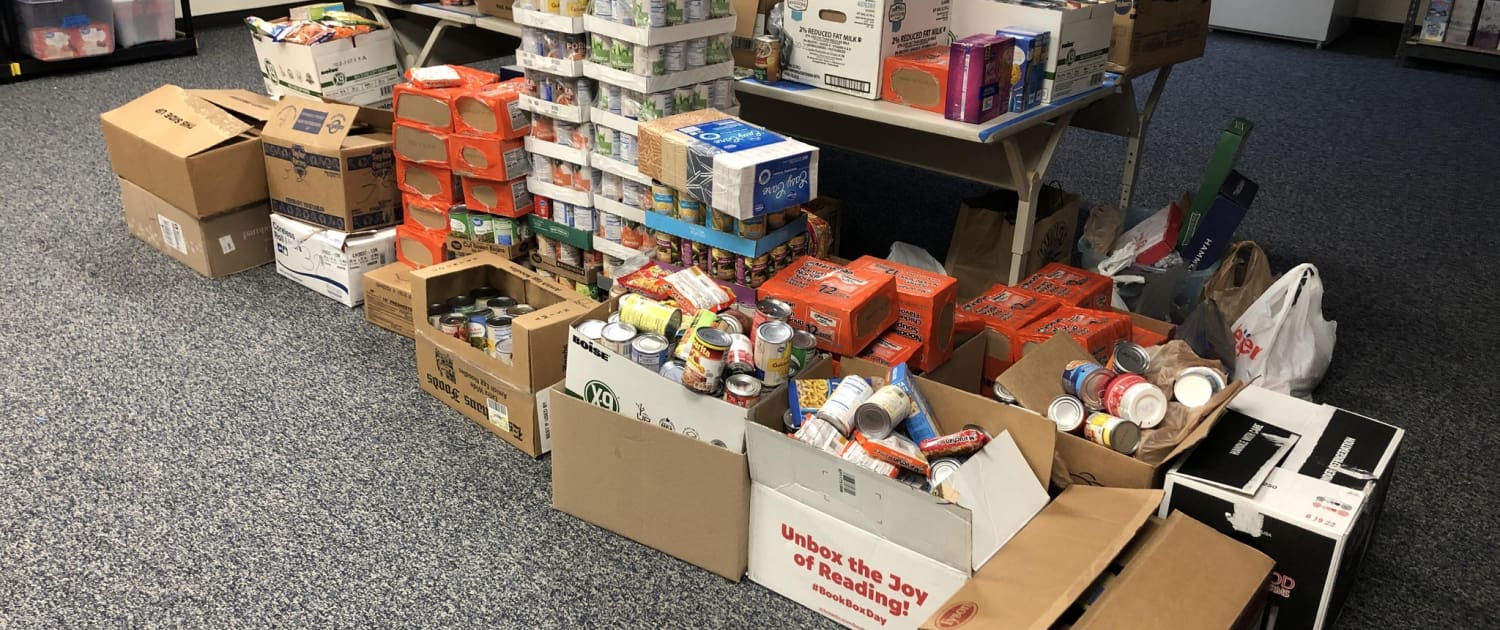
770, 309
741, 356
1132, 397
1087, 380
741, 390
705, 363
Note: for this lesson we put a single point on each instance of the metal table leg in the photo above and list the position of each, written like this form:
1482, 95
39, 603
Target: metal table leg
379, 14
1136, 140
432, 39
1030, 174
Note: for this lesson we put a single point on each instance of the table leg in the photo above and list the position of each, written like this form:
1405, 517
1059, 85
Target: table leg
1030, 175
385, 21
432, 39
1136, 141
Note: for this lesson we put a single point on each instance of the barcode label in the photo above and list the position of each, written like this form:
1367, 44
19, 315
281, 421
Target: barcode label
171, 234
386, 90
846, 83
499, 414
846, 483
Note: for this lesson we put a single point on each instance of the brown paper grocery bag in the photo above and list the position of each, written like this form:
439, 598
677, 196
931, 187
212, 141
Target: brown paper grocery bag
979, 254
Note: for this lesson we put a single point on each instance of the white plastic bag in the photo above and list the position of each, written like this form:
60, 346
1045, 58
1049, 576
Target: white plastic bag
913, 256
1282, 342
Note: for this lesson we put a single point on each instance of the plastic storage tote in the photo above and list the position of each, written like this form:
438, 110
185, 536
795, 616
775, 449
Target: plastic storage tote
141, 21
52, 30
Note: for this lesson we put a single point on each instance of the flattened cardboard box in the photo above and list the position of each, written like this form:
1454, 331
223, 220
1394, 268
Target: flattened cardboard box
331, 164
388, 299
198, 150
480, 395
227, 243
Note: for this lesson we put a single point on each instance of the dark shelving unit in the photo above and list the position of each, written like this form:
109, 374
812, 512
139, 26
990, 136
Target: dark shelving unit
1412, 46
19, 66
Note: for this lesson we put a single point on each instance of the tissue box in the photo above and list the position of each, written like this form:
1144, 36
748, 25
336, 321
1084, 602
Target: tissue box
734, 167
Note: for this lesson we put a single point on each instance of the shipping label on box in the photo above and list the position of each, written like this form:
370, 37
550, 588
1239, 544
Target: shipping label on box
841, 46
330, 262
360, 70
214, 247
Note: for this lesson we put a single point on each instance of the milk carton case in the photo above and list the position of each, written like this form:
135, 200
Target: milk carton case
840, 45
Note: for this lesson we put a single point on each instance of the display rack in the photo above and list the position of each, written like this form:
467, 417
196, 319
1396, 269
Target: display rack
20, 66
1412, 46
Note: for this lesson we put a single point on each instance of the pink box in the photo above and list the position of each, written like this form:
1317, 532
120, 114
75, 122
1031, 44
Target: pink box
978, 90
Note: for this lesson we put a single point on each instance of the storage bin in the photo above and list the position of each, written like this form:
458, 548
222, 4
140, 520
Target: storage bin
52, 30
141, 21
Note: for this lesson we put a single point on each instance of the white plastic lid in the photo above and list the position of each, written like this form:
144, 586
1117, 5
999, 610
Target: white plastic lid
1193, 390
1144, 404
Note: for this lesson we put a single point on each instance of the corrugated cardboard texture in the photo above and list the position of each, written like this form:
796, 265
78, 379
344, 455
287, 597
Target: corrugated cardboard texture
663, 153
433, 108
478, 394
1155, 33
330, 164
684, 497
417, 143
388, 298
925, 307
226, 243
419, 248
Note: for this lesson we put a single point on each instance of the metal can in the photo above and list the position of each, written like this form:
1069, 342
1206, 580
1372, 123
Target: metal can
604, 9
501, 304
721, 94
1087, 380
701, 256
1003, 395
610, 185
718, 48
804, 348
650, 316
569, 255
621, 53
499, 331
705, 363
618, 336
1129, 358
719, 8
563, 173
701, 320
655, 105
770, 310
656, 12
741, 356
757, 271
583, 219
462, 304
562, 212
435, 313
721, 221
878, 416
753, 228
798, 245
673, 369
478, 334
458, 221
667, 248
773, 351
697, 53
684, 100
519, 310
612, 97
732, 321
741, 390
838, 410
649, 351
650, 61
1067, 412
767, 58
674, 57
1132, 397
633, 193
1194, 386
663, 199
721, 264
689, 210
542, 207
611, 227
591, 329
938, 470
624, 11
775, 221
1118, 434
781, 257
454, 325
605, 140
685, 255
694, 11
505, 231
629, 149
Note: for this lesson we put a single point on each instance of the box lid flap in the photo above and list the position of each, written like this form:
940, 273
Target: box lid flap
177, 121
1000, 491
243, 102
1036, 379
312, 123
1044, 568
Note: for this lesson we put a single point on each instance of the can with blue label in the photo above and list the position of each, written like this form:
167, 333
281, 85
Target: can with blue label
629, 151
1087, 380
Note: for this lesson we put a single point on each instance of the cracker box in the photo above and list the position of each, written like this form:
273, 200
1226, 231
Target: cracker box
891, 349
1096, 331
839, 45
1028, 66
926, 303
1007, 308
435, 183
980, 75
429, 107
493, 111
1078, 47
488, 158
728, 164
845, 309
426, 214
420, 248
508, 199
419, 143
330, 164
1071, 286
917, 79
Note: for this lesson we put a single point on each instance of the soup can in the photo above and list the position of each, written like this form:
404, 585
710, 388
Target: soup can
705, 364
649, 351
618, 337
773, 351
741, 390
1118, 434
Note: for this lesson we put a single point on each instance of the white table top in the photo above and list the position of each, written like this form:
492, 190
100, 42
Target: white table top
458, 14
499, 25
903, 116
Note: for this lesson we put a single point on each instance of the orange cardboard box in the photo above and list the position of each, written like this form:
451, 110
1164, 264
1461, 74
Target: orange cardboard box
426, 214
419, 248
1009, 309
845, 309
487, 158
891, 349
1146, 337
1096, 331
429, 107
507, 199
492, 111
917, 79
926, 304
437, 184
418, 143
1071, 285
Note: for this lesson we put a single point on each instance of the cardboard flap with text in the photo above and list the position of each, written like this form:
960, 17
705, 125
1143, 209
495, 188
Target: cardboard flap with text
242, 102
1048, 565
312, 123
177, 121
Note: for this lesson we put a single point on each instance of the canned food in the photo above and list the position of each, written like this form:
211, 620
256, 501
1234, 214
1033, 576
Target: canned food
610, 98
563, 172
519, 310
543, 128
684, 100
804, 348
673, 369
767, 58
500, 304
938, 470
632, 235
656, 105
771, 309
886, 408
674, 57
1003, 395
689, 210
721, 94
718, 48
697, 53
649, 61
741, 390
1067, 412
633, 194
435, 313
961, 444
719, 8
480, 314
604, 9
629, 149
1087, 380
458, 221
1194, 386
705, 363
611, 227
499, 331
622, 54
591, 329
701, 256
569, 255
694, 10
775, 221
702, 319
454, 325
543, 208
741, 356
721, 264
838, 410
773, 351
1131, 397
618, 337
610, 185
721, 221
655, 12
757, 271
583, 219
562, 212
663, 199
1118, 434
483, 295
686, 255
754, 228
630, 104
781, 257
1129, 358
624, 10
798, 245
650, 316
478, 334
821, 434
649, 351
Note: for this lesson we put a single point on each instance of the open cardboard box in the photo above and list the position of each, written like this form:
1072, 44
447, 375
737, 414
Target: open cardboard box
643, 477
330, 164
1036, 380
388, 298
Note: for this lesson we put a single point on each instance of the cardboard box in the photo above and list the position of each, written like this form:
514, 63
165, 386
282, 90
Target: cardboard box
519, 417
729, 164
430, 216
1154, 33
360, 70
1080, 38
488, 158
418, 248
388, 298
493, 110
1035, 380
840, 46
925, 304
418, 143
197, 150
330, 262
498, 8
429, 107
459, 246
538, 338
845, 309
750, 22
1095, 330
1313, 513
1071, 286
330, 164
891, 349
437, 184
508, 199
980, 87
226, 243
1028, 68
917, 79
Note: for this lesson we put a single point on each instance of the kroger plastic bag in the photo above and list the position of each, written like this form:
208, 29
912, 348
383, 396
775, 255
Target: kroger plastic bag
913, 256
1282, 343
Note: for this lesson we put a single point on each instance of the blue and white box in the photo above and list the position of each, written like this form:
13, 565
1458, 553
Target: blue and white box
733, 166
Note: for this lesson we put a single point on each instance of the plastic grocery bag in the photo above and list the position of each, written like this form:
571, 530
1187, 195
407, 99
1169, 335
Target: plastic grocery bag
913, 256
1282, 342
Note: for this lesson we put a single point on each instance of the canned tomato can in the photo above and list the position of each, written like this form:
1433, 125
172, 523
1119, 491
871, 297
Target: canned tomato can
1067, 412
1132, 397
673, 369
650, 316
1087, 380
838, 410
1118, 434
721, 264
697, 53
663, 199
804, 347
649, 351
629, 149
938, 470
591, 329
741, 356
767, 58
618, 337
674, 57
1129, 358
741, 390
454, 325
886, 408
773, 351
668, 248
752, 228
705, 363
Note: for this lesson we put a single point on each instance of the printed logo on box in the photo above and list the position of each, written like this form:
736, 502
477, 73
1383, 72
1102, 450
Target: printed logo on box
730, 135
600, 395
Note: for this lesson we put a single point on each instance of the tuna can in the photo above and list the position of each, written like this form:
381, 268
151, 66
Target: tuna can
773, 351
649, 351
938, 470
838, 410
697, 53
1131, 397
435, 313
633, 193
753, 228
721, 264
705, 363
650, 316
663, 199
741, 390
591, 329
767, 58
629, 149
618, 337
1087, 380
1129, 358
1067, 412
1003, 395
741, 356
454, 325
1118, 434
499, 337
885, 409
804, 348
1194, 386
673, 370
674, 57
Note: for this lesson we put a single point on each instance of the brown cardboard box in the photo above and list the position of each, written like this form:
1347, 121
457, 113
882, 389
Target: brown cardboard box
470, 387
539, 337
1154, 33
458, 247
497, 8
198, 150
388, 298
750, 21
1036, 381
226, 243
330, 164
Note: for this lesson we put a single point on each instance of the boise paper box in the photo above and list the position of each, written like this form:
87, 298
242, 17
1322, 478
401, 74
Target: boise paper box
361, 70
925, 304
388, 298
519, 417
844, 308
1149, 34
331, 164
730, 165
198, 150
1079, 43
330, 262
1313, 513
226, 243
840, 46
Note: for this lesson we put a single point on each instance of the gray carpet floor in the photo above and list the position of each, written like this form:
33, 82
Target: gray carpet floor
178, 451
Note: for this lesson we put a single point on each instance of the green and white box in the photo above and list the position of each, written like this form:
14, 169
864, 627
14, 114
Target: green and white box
360, 70
1080, 39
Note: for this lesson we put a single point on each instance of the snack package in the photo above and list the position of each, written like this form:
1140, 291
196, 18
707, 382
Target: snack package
694, 291
855, 453
895, 449
1071, 286
492, 110
650, 281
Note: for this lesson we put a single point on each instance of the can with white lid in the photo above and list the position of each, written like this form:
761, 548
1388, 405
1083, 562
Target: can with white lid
1196, 385
1131, 397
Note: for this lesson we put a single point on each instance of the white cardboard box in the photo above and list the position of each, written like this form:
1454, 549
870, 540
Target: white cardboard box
842, 46
359, 70
330, 262
1080, 39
